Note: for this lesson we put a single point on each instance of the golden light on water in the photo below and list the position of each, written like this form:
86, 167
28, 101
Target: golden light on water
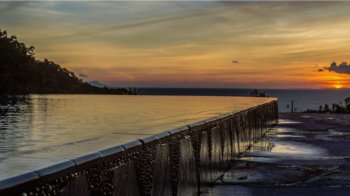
58, 127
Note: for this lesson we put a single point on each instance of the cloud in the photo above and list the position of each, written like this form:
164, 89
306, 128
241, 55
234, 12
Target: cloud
12, 5
341, 68
82, 75
319, 70
316, 65
144, 22
235, 62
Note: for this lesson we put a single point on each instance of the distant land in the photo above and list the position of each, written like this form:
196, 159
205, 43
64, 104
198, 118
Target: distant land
22, 74
100, 85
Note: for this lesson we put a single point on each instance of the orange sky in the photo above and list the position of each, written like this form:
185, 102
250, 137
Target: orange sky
189, 44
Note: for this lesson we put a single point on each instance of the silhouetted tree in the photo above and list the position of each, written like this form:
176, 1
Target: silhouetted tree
326, 108
16, 62
256, 93
336, 108
22, 74
347, 105
130, 92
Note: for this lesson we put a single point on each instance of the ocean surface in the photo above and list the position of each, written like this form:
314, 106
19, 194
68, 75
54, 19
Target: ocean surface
303, 98
52, 128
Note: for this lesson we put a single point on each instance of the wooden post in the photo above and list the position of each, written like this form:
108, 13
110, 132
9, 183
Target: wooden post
292, 107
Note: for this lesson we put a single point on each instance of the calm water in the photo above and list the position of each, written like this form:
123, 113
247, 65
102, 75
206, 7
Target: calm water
303, 98
52, 128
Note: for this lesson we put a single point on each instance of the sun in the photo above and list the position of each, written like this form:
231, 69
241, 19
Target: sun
337, 86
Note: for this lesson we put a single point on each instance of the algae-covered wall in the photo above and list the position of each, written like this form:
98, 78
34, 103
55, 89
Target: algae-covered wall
182, 161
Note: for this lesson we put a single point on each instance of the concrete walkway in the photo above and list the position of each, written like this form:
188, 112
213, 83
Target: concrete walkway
305, 154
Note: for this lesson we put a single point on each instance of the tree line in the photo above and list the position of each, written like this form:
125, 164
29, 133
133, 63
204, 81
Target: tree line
22, 74
336, 108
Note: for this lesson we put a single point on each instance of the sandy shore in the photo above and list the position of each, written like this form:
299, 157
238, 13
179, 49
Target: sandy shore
304, 154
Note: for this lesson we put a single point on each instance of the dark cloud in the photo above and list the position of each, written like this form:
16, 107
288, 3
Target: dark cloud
82, 75
320, 70
12, 5
235, 62
341, 68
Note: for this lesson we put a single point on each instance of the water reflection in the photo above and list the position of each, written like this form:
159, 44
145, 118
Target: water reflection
51, 128
279, 144
262, 145
15, 123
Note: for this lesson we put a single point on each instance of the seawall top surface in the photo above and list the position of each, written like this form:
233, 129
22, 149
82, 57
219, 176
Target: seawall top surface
55, 128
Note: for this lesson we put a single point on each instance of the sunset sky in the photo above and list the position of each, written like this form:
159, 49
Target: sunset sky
190, 44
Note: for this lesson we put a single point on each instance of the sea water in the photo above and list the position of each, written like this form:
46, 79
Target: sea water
53, 128
303, 98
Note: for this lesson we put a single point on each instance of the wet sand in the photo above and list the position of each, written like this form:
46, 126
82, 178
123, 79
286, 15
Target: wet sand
304, 154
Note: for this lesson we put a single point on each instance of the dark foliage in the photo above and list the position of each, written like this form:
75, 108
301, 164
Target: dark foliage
336, 108
256, 93
22, 74
130, 92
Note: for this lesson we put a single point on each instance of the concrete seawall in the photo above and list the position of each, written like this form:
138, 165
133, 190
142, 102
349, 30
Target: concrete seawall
182, 161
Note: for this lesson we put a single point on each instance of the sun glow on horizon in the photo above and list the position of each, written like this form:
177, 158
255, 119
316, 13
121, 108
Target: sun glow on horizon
189, 44
338, 86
